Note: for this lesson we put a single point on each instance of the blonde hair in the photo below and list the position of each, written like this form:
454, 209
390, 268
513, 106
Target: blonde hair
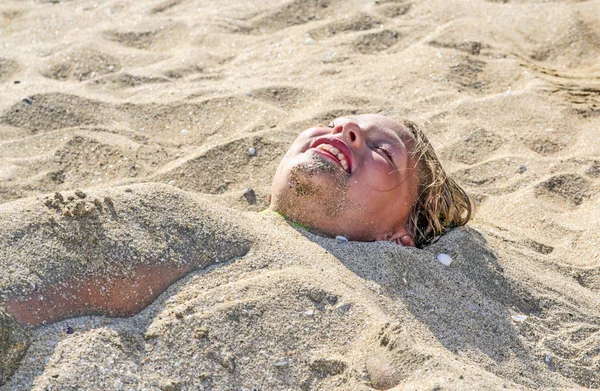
441, 203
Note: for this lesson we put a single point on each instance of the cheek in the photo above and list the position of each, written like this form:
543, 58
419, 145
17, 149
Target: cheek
378, 178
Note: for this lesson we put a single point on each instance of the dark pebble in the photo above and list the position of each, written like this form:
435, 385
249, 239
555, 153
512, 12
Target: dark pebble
343, 308
250, 195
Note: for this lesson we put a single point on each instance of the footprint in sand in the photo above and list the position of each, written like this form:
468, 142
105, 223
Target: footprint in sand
295, 13
498, 176
470, 47
375, 42
47, 112
284, 97
475, 146
80, 64
163, 37
570, 189
393, 9
360, 22
467, 74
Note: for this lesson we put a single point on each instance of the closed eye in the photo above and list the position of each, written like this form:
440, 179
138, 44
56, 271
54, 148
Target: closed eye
385, 151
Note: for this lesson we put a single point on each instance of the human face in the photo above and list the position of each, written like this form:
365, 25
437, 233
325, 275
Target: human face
353, 178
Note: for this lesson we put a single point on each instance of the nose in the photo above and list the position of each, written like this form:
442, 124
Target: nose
351, 132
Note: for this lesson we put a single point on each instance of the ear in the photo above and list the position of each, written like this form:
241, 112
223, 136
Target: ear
403, 238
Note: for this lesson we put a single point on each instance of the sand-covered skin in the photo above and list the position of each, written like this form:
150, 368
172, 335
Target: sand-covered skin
109, 96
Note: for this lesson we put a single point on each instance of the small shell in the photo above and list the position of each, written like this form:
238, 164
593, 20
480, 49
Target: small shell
251, 151
444, 259
341, 238
519, 318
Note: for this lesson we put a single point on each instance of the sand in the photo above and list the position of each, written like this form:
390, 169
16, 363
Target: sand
149, 109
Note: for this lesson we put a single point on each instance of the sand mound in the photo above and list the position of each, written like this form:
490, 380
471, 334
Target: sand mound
170, 116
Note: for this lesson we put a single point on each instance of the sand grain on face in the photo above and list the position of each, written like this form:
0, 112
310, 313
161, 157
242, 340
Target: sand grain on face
104, 98
326, 195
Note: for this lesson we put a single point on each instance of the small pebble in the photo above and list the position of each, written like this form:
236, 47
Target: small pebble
309, 41
250, 195
281, 363
519, 318
548, 359
251, 151
184, 131
80, 194
522, 169
444, 259
27, 100
171, 182
68, 329
309, 313
111, 68
343, 308
340, 238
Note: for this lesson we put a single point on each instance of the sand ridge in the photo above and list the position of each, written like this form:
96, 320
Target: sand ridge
154, 106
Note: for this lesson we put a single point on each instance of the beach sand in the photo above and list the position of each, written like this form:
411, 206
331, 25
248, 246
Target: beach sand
125, 137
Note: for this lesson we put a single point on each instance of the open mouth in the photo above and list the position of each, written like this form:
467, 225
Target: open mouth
336, 150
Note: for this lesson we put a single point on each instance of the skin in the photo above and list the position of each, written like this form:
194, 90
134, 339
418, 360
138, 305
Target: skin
372, 201
97, 295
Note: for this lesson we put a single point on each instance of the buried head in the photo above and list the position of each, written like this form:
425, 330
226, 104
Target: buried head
354, 177
368, 178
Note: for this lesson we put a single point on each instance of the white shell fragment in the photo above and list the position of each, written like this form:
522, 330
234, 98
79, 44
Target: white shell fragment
444, 259
519, 318
341, 238
184, 131
281, 363
251, 151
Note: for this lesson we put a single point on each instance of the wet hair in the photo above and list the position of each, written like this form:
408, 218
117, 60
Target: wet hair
441, 203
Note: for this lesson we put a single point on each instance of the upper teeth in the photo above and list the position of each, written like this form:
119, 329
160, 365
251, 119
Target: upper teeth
335, 152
